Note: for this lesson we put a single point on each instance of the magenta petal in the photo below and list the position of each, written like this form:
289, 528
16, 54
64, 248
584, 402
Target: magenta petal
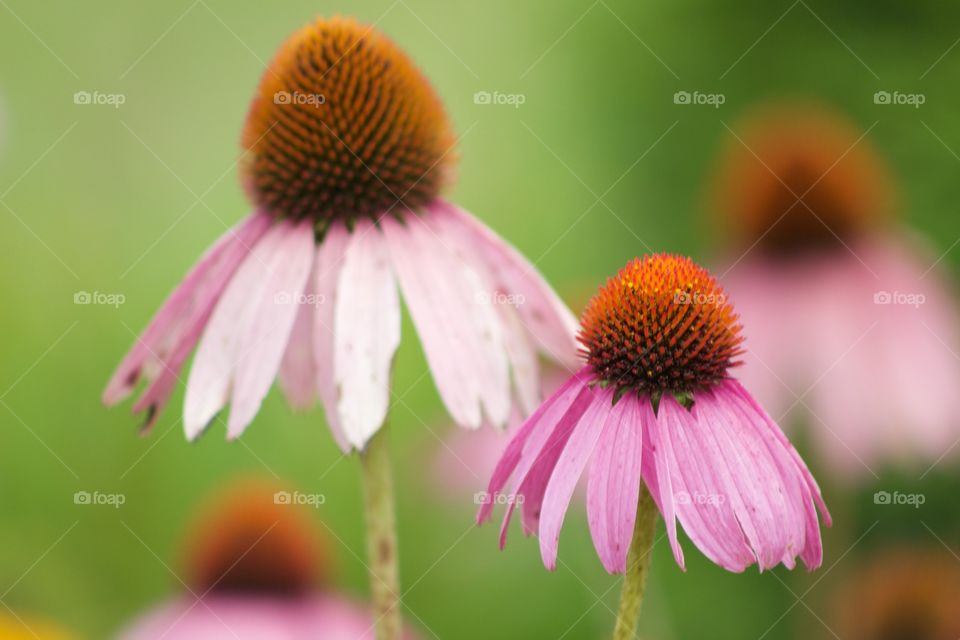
161, 350
546, 318
329, 261
568, 470
657, 473
366, 334
698, 495
514, 452
613, 487
459, 330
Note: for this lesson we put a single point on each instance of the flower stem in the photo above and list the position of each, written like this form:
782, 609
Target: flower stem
638, 565
381, 523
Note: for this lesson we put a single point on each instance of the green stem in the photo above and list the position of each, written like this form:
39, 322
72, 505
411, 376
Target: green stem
638, 565
381, 523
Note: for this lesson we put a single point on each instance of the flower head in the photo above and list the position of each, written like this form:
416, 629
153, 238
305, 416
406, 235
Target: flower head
797, 178
655, 404
900, 593
347, 148
343, 125
837, 302
256, 570
661, 324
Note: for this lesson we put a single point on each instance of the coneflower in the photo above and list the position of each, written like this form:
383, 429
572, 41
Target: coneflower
255, 567
849, 320
899, 593
662, 425
348, 148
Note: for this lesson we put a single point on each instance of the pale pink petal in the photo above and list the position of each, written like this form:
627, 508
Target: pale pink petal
265, 339
459, 330
160, 351
298, 371
520, 347
570, 465
613, 487
329, 261
548, 321
210, 377
366, 334
561, 399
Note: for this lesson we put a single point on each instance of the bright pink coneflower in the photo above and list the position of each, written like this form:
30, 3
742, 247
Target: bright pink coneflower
655, 407
848, 319
348, 149
255, 570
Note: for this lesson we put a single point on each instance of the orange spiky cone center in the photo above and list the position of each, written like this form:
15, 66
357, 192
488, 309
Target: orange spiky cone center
344, 125
662, 324
246, 541
799, 178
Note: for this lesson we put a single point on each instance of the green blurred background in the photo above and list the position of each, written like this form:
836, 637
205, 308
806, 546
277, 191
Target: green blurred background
123, 200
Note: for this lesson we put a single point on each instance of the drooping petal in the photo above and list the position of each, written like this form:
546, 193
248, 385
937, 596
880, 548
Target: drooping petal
513, 453
777, 442
161, 350
613, 487
656, 468
547, 319
298, 371
329, 261
521, 349
698, 493
459, 329
539, 459
570, 465
366, 332
265, 340
208, 385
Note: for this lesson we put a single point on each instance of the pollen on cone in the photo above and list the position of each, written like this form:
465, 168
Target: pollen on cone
344, 125
250, 538
662, 323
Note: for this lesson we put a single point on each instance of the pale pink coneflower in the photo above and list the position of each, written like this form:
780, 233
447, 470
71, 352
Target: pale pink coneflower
658, 420
347, 151
850, 324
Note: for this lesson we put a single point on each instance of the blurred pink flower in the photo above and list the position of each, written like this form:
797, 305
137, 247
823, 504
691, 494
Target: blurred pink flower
307, 285
849, 323
654, 404
256, 567
239, 617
